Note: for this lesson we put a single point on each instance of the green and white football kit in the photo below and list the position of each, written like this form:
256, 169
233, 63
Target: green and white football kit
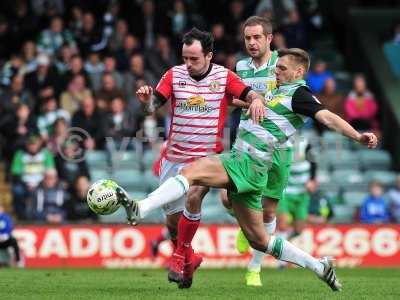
251, 157
263, 81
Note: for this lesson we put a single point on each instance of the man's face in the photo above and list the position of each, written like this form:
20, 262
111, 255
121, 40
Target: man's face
256, 42
286, 70
196, 61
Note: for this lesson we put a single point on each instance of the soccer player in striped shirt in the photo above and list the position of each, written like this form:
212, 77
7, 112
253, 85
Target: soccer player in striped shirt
199, 92
244, 170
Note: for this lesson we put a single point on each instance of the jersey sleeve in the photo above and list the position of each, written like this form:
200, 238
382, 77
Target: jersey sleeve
235, 86
164, 86
305, 103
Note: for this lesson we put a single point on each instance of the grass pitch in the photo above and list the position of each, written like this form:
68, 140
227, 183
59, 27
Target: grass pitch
208, 284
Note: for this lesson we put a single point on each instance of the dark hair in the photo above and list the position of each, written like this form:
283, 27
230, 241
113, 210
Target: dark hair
256, 20
298, 55
205, 38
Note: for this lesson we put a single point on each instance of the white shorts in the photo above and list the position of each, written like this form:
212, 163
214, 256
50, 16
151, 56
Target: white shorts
171, 169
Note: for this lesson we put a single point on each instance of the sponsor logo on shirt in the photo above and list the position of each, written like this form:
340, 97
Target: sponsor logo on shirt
182, 83
195, 103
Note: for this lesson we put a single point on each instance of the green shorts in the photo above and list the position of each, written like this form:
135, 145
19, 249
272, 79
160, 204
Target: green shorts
278, 175
295, 205
249, 178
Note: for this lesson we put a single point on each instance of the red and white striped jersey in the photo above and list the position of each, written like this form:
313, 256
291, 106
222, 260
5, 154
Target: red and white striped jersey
198, 110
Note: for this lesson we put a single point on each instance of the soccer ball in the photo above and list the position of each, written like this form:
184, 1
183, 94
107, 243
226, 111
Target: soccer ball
102, 197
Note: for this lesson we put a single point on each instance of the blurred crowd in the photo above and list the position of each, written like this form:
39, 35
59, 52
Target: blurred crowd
77, 64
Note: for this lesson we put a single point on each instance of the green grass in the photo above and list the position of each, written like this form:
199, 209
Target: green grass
209, 284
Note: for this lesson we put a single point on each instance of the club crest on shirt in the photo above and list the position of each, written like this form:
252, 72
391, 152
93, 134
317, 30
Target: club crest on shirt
214, 86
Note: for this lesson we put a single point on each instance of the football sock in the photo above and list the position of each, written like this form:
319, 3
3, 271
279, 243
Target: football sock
257, 256
187, 227
286, 251
172, 189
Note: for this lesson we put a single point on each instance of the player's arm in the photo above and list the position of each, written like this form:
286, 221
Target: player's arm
238, 89
153, 99
303, 102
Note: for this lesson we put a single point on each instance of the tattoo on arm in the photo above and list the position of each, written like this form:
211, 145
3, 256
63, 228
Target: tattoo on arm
154, 104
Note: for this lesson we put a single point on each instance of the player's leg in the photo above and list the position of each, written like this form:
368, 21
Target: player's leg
276, 183
187, 227
206, 171
251, 223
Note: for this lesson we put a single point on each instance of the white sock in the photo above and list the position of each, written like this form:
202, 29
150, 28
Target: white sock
286, 251
172, 189
257, 256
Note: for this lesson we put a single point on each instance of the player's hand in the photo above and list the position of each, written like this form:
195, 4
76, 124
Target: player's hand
368, 139
144, 93
257, 110
240, 103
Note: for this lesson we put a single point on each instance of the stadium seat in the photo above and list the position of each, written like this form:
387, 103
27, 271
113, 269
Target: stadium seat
152, 181
343, 213
341, 159
387, 178
332, 140
354, 198
97, 158
98, 173
131, 180
392, 51
374, 159
126, 160
118, 217
148, 158
348, 178
154, 217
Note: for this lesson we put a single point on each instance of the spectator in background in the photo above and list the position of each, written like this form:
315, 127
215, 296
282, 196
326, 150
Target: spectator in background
374, 209
90, 119
317, 76
393, 196
14, 66
90, 37
295, 31
234, 15
69, 163
137, 70
48, 203
17, 94
77, 90
107, 92
77, 208
63, 59
44, 76
120, 123
110, 66
50, 40
222, 43
320, 208
27, 170
49, 114
180, 20
58, 136
278, 10
6, 237
5, 38
396, 35
94, 67
330, 98
75, 67
116, 41
360, 106
131, 46
28, 55
279, 41
17, 128
161, 58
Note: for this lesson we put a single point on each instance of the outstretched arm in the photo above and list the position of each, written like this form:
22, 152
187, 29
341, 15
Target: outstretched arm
339, 125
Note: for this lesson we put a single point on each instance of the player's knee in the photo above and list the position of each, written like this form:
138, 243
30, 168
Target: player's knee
258, 244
